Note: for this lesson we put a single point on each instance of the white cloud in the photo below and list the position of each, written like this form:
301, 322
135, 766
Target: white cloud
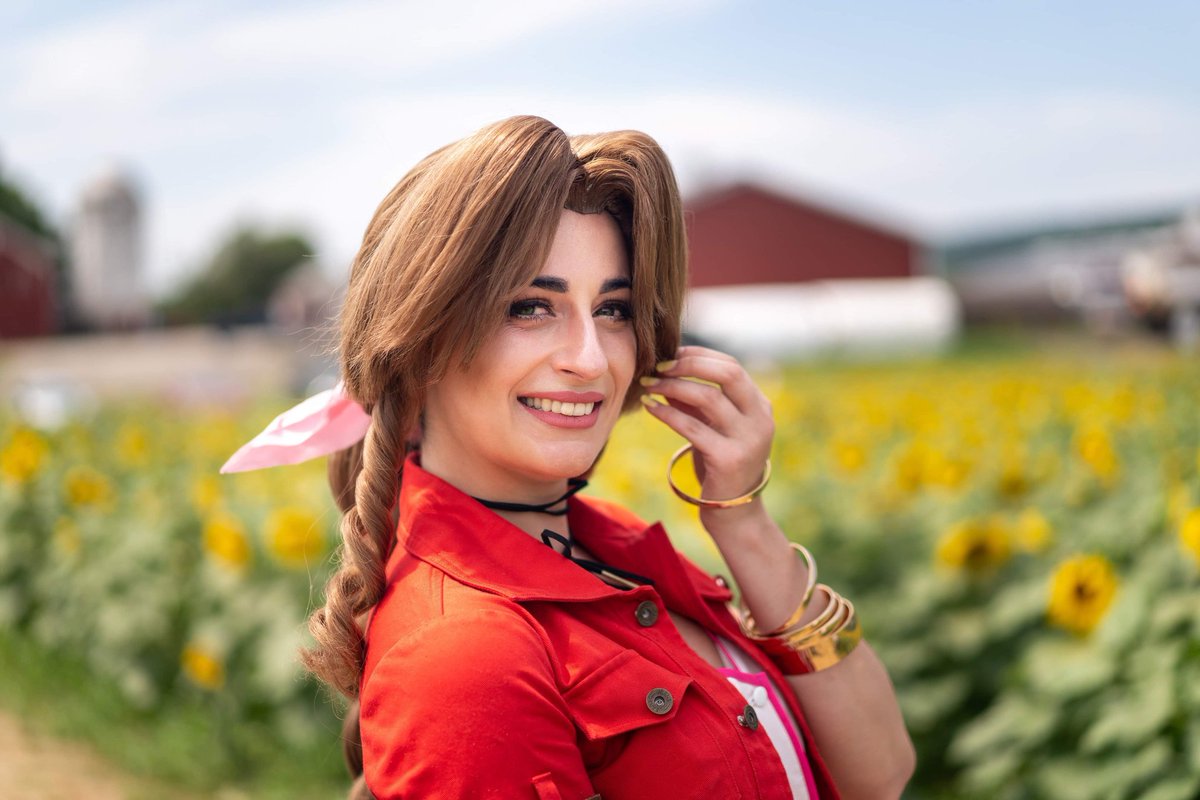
369, 37
195, 100
933, 173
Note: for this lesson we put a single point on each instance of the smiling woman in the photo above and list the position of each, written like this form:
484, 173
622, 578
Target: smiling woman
504, 635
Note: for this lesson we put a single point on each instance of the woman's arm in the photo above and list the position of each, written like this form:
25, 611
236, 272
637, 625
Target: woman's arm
851, 706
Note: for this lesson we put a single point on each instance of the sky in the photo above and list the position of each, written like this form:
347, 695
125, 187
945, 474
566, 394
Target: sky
941, 118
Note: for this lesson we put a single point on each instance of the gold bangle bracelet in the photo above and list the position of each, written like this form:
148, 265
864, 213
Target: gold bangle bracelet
833, 616
816, 623
830, 650
809, 587
841, 615
817, 653
699, 501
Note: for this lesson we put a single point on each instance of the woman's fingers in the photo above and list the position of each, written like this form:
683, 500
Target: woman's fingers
725, 417
689, 426
722, 370
697, 350
710, 402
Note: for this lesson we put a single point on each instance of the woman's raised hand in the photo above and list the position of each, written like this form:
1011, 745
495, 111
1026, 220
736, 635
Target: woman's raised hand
726, 418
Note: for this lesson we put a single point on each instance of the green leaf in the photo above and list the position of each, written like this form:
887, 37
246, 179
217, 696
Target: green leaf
1173, 612
963, 634
1154, 661
929, 702
1183, 787
1133, 718
1191, 745
1125, 623
1075, 779
1149, 763
991, 774
1014, 722
1065, 669
1017, 606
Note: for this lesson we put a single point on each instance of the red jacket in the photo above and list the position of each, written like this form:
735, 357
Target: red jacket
496, 668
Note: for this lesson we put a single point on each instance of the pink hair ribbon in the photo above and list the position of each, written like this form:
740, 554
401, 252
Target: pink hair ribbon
324, 423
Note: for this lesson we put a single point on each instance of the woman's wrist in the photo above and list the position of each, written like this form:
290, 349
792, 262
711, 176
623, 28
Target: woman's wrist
741, 526
770, 577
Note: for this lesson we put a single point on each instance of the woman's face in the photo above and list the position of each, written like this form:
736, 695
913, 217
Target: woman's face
538, 401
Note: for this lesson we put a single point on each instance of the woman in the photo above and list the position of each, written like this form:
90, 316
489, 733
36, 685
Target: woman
505, 637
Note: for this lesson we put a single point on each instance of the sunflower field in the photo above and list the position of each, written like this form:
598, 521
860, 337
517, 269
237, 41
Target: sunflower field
1020, 533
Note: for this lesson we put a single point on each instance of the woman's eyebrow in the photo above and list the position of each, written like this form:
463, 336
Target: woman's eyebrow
549, 284
558, 285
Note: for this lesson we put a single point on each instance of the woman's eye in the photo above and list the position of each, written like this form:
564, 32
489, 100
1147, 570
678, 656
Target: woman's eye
528, 309
618, 310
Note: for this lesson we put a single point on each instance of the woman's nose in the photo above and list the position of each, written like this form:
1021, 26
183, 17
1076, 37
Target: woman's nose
582, 353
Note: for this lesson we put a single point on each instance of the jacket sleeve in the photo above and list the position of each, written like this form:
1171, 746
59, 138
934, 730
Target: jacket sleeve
467, 706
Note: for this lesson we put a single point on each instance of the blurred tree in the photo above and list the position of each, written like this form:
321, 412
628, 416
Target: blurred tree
235, 285
17, 207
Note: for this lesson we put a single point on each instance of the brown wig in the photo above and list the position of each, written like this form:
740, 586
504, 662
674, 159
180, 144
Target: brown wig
465, 229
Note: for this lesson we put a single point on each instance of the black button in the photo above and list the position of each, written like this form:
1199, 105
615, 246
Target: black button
748, 718
659, 701
647, 613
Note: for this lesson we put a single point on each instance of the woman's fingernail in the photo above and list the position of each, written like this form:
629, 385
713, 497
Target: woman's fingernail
648, 380
663, 366
650, 402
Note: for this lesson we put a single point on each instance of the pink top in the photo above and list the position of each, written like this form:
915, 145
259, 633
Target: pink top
773, 715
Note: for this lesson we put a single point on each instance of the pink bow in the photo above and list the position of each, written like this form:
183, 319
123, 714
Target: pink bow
324, 423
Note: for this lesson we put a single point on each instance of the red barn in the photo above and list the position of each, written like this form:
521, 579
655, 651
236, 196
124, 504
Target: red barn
745, 234
28, 305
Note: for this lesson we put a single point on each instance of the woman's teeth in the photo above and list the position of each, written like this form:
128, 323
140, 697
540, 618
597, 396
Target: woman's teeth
559, 407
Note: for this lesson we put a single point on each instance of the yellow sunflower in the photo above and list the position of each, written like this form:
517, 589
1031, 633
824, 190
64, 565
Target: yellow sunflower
1033, 531
294, 536
975, 544
1189, 532
202, 666
226, 543
87, 487
1081, 591
22, 457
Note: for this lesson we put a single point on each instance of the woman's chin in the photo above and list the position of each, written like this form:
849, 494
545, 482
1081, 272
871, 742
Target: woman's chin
564, 465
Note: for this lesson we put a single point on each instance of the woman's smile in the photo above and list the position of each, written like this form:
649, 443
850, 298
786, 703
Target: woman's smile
565, 409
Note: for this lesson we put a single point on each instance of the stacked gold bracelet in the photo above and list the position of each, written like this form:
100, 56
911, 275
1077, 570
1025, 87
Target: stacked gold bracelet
817, 644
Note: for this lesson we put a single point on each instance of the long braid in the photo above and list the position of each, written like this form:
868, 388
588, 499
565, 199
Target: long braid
367, 535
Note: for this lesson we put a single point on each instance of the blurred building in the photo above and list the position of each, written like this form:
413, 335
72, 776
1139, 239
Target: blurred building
28, 283
1162, 282
106, 247
1053, 273
306, 299
785, 276
746, 234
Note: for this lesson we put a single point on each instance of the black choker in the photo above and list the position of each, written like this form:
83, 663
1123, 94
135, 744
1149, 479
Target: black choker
613, 576
575, 485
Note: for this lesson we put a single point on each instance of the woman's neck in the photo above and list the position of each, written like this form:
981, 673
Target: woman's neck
505, 489
533, 522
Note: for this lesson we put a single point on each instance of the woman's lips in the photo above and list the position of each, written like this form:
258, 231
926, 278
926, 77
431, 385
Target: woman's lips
579, 416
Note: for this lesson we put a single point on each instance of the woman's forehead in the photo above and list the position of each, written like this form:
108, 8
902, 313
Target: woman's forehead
586, 248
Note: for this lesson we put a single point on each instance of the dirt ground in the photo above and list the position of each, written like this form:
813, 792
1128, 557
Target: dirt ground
36, 767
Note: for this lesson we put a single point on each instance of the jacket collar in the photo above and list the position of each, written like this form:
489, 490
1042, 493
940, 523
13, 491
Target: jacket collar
453, 532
